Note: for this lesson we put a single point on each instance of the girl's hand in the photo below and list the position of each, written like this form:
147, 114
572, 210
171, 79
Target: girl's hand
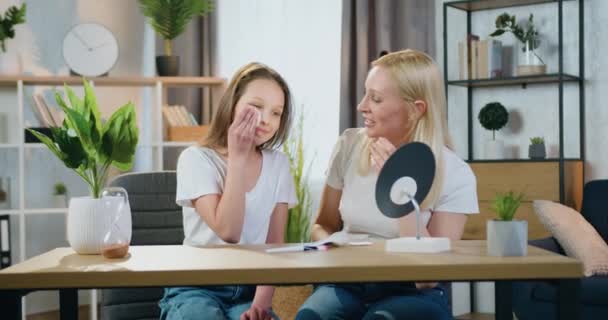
380, 150
241, 133
425, 285
256, 313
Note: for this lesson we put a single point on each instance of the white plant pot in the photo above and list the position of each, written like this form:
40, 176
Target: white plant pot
494, 149
90, 219
60, 201
507, 238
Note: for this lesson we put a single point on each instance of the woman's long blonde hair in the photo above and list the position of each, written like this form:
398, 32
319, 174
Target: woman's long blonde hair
217, 136
418, 78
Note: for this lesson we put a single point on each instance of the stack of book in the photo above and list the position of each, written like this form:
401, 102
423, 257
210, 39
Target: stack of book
480, 59
46, 115
181, 124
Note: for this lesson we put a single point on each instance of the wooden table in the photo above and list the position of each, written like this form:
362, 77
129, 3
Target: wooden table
166, 266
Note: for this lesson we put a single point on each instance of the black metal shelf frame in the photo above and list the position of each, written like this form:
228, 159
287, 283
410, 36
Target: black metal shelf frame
470, 6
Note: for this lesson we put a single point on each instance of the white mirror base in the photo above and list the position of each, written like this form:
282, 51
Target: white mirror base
412, 244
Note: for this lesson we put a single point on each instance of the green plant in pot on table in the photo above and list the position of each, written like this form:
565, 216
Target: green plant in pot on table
493, 116
89, 147
506, 236
169, 19
60, 193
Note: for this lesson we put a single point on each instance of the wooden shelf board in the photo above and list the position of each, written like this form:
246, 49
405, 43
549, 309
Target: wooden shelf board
478, 5
11, 81
475, 316
511, 81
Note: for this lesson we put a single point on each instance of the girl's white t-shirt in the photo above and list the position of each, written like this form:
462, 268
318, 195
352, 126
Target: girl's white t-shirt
201, 171
358, 208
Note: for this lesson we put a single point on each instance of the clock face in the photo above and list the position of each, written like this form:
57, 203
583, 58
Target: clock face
90, 49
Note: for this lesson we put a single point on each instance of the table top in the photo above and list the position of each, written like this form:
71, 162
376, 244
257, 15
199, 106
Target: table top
235, 264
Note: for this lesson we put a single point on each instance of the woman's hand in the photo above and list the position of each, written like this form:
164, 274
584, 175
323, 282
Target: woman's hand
380, 150
241, 133
256, 312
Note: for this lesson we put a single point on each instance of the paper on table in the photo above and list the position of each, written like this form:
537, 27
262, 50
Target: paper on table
339, 238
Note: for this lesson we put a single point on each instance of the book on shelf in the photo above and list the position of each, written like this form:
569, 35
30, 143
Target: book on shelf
5, 244
467, 57
46, 115
489, 59
178, 116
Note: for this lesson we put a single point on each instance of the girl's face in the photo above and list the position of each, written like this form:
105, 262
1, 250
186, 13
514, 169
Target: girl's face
383, 109
267, 97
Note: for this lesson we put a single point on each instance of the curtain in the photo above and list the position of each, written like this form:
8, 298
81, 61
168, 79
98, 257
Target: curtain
370, 27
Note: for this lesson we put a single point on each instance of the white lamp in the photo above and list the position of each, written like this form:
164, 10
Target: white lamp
404, 181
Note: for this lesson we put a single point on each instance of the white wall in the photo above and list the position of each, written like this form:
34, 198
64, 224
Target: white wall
301, 40
534, 110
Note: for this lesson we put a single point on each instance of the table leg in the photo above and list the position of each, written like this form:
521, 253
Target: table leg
10, 304
503, 302
68, 304
568, 306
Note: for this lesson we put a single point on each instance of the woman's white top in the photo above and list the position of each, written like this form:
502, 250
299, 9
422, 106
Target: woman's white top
358, 208
202, 171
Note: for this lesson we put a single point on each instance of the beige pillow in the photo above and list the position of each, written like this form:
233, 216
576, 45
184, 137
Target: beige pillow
578, 238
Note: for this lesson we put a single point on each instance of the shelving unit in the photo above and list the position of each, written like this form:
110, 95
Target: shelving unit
150, 119
558, 179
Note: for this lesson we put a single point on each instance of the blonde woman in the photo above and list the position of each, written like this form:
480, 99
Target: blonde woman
404, 101
235, 187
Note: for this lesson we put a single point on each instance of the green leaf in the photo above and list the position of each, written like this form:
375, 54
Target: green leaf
497, 33
93, 115
74, 154
120, 135
48, 142
170, 17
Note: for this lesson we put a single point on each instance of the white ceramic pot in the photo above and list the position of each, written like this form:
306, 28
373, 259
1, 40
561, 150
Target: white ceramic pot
494, 149
60, 201
90, 219
507, 238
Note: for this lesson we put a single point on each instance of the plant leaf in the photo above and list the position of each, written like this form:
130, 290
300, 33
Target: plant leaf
120, 135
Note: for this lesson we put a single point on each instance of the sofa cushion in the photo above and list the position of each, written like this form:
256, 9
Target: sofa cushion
578, 238
593, 291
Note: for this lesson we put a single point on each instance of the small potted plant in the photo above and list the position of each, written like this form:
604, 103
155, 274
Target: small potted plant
530, 62
493, 116
13, 16
536, 150
60, 193
505, 236
90, 147
169, 19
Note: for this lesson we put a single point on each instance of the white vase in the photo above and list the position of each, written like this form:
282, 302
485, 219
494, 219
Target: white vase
11, 63
59, 201
494, 149
507, 238
90, 219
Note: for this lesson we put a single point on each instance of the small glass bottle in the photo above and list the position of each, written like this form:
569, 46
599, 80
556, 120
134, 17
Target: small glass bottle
118, 237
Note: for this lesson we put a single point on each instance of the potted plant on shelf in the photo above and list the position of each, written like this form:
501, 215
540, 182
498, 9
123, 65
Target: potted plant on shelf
13, 16
169, 19
536, 150
493, 116
530, 63
88, 147
60, 194
287, 299
507, 237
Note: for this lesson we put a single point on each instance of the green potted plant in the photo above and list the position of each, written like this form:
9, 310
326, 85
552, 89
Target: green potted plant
493, 116
169, 19
505, 236
60, 193
536, 150
10, 62
89, 147
529, 61
287, 299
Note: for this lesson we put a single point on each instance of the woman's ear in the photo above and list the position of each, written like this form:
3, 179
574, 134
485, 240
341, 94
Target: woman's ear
421, 107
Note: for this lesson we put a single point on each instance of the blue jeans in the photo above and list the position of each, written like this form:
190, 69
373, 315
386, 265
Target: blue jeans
375, 301
212, 302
